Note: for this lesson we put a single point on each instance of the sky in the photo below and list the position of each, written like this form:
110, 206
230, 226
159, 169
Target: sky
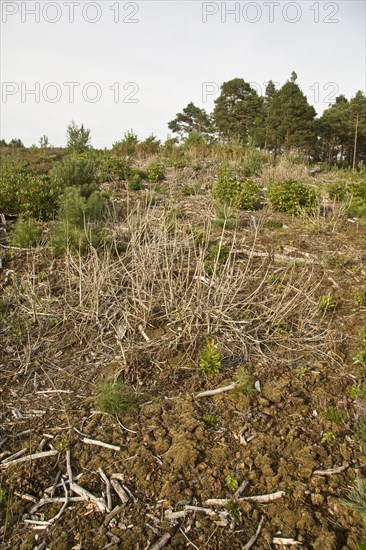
116, 66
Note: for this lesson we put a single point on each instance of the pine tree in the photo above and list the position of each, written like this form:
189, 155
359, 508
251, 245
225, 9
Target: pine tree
357, 108
78, 139
191, 120
238, 113
291, 119
334, 132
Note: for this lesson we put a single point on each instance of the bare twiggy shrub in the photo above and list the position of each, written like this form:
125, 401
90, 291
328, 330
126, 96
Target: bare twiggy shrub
156, 299
284, 169
327, 216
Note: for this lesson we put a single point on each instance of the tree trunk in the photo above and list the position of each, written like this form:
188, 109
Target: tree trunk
355, 143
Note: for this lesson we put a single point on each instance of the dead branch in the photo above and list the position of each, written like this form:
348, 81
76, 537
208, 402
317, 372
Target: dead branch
12, 457
161, 542
88, 496
34, 456
258, 498
100, 443
331, 471
108, 488
254, 538
208, 393
286, 542
120, 491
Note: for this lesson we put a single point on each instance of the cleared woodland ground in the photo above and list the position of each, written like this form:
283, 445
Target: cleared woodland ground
140, 312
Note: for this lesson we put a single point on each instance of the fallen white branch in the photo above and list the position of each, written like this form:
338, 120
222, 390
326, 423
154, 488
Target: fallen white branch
241, 489
331, 471
120, 491
207, 393
254, 538
100, 444
15, 455
53, 500
68, 465
143, 333
35, 456
286, 542
257, 498
108, 488
88, 496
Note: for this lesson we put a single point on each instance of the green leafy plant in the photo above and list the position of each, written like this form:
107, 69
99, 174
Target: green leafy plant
284, 329
328, 438
232, 483
229, 190
78, 138
336, 416
291, 196
210, 420
337, 190
155, 172
359, 297
243, 381
357, 390
326, 303
114, 168
188, 190
210, 361
64, 445
116, 398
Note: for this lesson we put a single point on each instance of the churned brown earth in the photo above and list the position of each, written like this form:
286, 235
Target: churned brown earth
141, 315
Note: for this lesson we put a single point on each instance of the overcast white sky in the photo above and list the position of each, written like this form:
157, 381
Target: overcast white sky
148, 59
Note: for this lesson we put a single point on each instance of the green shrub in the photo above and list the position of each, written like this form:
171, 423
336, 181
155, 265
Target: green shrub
233, 192
116, 398
21, 192
113, 168
357, 208
291, 196
155, 172
39, 197
13, 178
26, 233
210, 361
337, 190
248, 198
358, 189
